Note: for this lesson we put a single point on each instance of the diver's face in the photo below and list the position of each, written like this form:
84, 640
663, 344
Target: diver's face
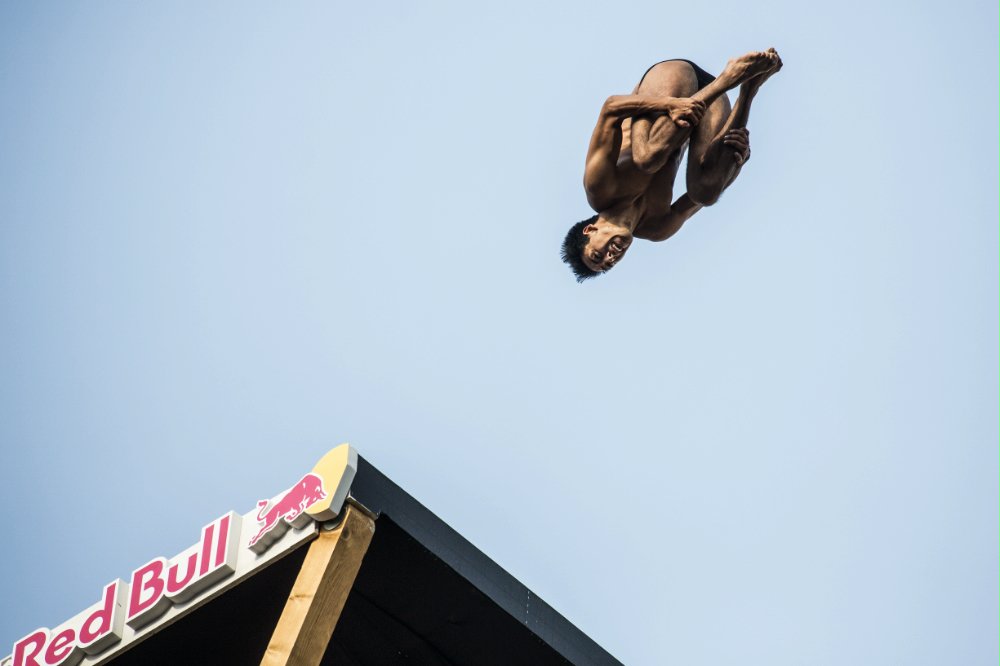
606, 245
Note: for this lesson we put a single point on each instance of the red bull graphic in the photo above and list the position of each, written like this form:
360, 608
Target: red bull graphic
163, 590
286, 510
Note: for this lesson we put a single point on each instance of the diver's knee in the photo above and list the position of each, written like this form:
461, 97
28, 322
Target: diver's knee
705, 193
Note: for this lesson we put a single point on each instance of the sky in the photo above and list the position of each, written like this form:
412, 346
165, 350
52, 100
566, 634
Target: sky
234, 236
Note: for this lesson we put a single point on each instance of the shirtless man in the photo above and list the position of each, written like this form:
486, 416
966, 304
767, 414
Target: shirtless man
636, 150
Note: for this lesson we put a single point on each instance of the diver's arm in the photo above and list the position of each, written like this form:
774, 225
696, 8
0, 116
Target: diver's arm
600, 175
683, 110
663, 227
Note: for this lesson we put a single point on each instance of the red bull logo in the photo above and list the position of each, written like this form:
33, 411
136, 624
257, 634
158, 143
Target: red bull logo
278, 516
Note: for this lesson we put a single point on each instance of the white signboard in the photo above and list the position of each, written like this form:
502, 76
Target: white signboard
231, 548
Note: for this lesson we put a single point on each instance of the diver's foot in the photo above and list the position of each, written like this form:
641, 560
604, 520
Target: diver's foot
754, 83
742, 69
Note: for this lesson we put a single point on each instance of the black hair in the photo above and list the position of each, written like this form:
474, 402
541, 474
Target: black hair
572, 250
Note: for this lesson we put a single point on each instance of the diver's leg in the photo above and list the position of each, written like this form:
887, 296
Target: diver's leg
720, 144
655, 137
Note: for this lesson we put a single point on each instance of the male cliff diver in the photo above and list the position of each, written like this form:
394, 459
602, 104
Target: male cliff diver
636, 150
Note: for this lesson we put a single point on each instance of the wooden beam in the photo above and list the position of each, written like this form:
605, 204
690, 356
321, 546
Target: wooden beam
320, 591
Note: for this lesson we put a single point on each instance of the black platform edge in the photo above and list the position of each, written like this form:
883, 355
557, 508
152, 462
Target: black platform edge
375, 491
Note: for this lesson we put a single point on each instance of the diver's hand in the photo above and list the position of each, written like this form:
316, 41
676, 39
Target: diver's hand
684, 111
738, 140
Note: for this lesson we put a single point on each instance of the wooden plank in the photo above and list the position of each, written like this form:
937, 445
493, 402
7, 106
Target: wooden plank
320, 592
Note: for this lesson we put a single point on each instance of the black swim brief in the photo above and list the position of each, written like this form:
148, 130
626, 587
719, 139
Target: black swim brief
704, 78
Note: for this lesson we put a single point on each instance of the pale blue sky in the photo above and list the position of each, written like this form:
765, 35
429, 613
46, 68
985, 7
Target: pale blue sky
232, 237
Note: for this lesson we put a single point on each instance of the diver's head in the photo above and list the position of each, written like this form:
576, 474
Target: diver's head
594, 246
